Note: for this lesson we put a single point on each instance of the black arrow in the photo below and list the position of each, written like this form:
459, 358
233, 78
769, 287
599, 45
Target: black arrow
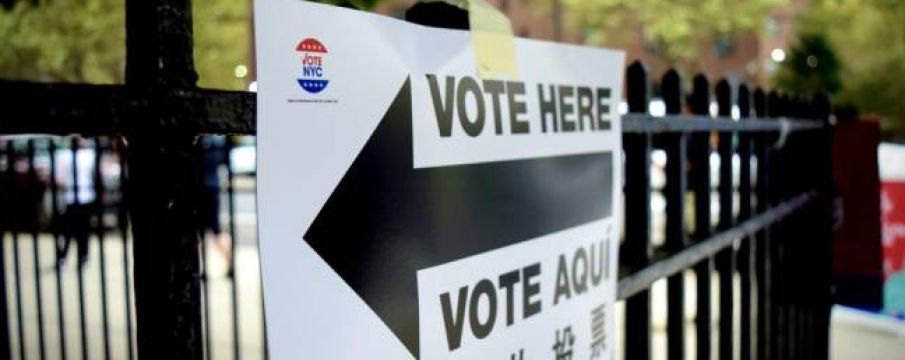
386, 220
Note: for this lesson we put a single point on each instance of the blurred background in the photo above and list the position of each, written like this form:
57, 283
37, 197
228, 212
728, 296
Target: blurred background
852, 49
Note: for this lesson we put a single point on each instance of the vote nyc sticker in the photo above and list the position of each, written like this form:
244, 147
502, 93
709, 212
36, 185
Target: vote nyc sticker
312, 77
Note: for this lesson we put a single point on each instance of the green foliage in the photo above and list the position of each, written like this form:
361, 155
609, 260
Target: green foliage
869, 38
83, 41
223, 43
79, 41
674, 27
810, 67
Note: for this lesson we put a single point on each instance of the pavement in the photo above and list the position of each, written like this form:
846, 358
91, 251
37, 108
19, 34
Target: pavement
89, 302
860, 335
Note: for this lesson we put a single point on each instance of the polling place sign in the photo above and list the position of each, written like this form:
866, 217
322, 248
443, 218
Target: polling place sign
410, 209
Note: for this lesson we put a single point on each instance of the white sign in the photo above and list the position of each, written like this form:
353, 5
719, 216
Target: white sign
409, 209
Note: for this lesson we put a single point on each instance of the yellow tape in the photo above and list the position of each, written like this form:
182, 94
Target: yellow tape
493, 41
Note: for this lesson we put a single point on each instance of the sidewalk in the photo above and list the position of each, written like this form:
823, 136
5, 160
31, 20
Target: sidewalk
860, 335
220, 301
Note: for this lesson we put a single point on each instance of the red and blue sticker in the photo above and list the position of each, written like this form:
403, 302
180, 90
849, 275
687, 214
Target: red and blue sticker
312, 77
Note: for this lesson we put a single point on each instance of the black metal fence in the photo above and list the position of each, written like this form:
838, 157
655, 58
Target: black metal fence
134, 237
67, 248
65, 233
773, 226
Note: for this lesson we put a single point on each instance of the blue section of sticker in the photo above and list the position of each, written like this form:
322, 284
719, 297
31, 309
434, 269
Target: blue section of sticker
313, 86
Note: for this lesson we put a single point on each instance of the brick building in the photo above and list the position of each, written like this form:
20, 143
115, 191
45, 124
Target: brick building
742, 57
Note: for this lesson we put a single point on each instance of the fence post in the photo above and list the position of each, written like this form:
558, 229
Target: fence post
6, 187
35, 189
762, 251
776, 107
798, 172
675, 146
98, 210
58, 278
725, 259
823, 299
811, 150
637, 250
12, 154
811, 287
748, 246
699, 180
162, 182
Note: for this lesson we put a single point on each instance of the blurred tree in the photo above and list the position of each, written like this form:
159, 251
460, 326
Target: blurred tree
810, 67
70, 41
83, 41
673, 27
869, 38
223, 43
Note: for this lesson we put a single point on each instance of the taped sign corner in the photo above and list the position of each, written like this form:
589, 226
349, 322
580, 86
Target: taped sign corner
493, 41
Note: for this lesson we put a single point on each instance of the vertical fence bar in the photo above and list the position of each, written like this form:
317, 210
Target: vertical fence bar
823, 109
763, 266
806, 334
36, 194
807, 244
5, 339
797, 170
12, 157
699, 180
676, 153
206, 144
636, 249
725, 259
811, 287
746, 253
123, 224
808, 273
206, 296
99, 233
55, 230
233, 241
814, 150
777, 235
75, 224
163, 208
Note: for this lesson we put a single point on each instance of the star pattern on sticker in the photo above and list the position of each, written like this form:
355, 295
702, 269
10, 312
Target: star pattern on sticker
314, 84
312, 47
